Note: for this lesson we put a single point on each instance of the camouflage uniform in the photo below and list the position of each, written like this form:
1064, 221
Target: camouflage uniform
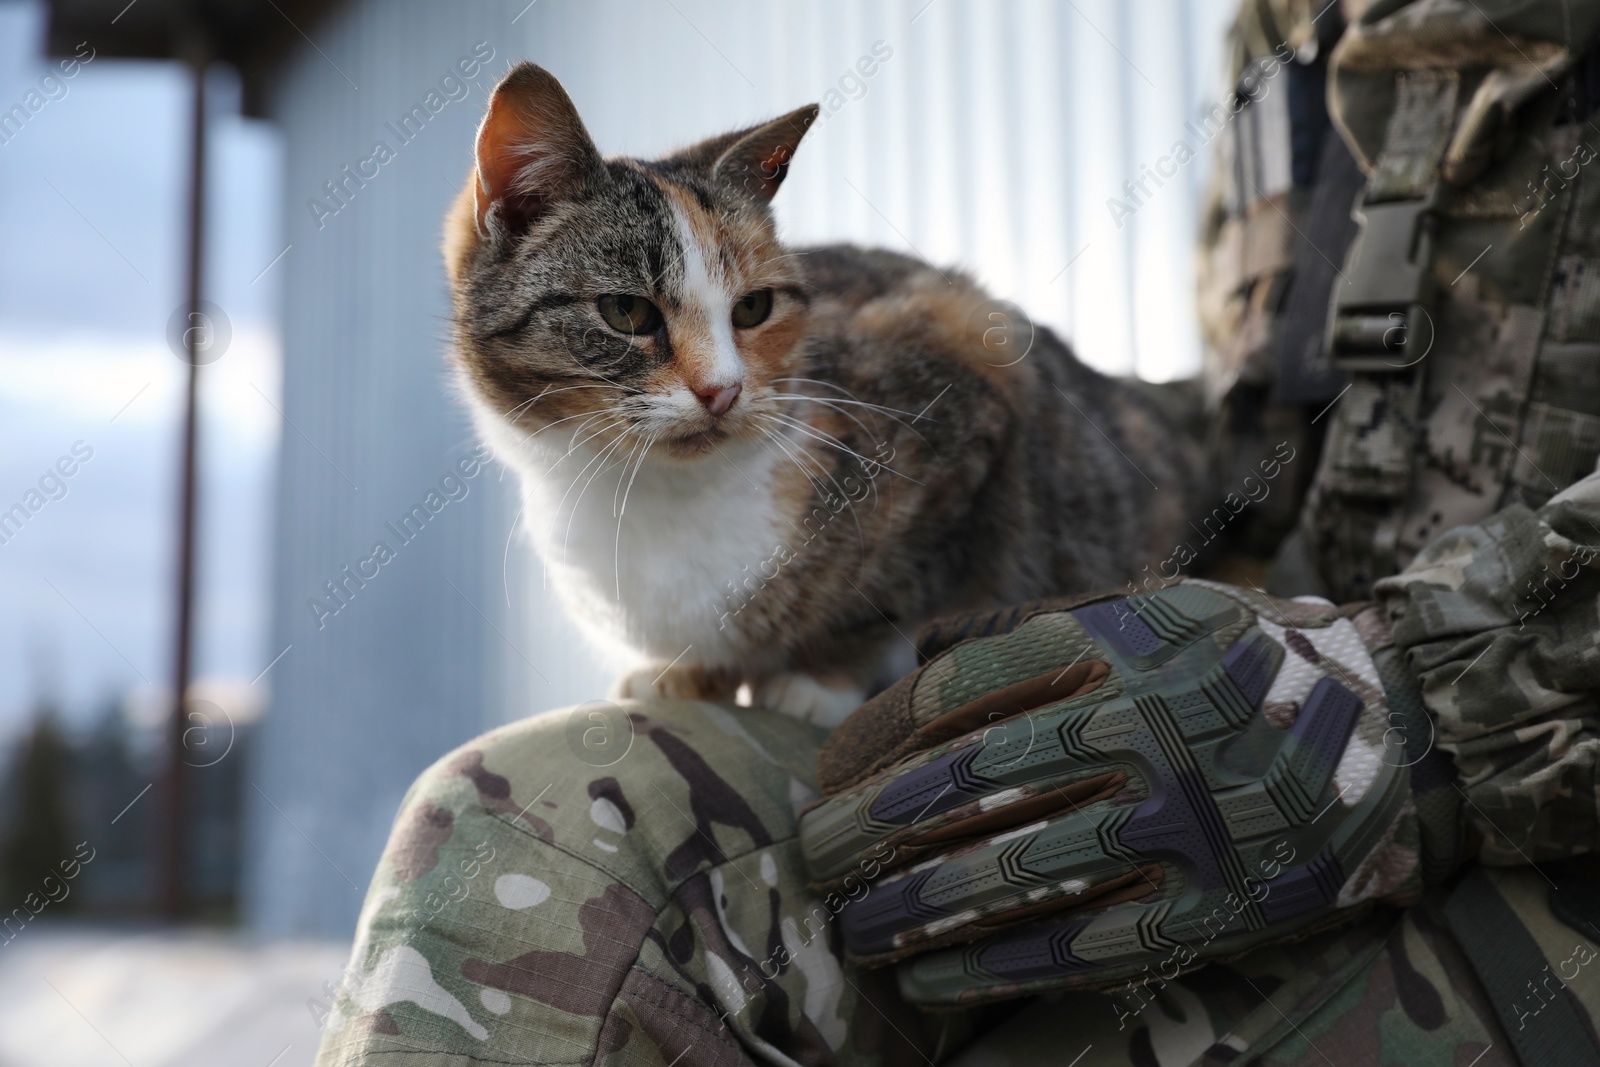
616, 886
1467, 314
625, 886
1463, 319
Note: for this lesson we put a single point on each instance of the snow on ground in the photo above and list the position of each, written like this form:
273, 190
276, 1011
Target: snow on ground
86, 995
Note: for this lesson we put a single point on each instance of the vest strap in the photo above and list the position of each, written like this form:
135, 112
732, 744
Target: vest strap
1507, 960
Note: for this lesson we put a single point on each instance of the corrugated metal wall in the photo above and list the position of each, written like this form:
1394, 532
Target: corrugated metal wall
408, 668
990, 137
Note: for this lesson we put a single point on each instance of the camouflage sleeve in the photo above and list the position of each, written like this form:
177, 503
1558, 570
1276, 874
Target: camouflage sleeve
1500, 622
609, 886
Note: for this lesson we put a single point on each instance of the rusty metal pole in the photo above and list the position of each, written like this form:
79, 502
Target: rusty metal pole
174, 858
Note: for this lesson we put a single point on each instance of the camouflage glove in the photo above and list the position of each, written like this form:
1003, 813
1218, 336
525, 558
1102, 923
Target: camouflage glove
1083, 793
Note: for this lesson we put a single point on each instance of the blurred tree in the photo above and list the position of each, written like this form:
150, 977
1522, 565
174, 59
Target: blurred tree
39, 836
109, 791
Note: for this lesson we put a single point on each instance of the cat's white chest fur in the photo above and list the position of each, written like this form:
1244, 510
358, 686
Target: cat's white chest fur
647, 567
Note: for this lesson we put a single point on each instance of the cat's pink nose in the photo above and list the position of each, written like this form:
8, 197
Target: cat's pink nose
718, 400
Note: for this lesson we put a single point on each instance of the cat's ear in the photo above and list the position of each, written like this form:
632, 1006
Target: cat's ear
758, 160
532, 149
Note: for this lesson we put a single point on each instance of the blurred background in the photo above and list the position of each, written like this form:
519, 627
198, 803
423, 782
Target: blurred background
178, 884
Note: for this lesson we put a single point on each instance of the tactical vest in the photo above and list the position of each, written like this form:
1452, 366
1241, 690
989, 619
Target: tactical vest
1466, 312
1417, 307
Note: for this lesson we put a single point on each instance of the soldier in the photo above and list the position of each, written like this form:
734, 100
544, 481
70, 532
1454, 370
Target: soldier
1196, 824
1282, 789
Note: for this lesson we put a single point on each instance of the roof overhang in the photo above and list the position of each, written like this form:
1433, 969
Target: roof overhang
254, 36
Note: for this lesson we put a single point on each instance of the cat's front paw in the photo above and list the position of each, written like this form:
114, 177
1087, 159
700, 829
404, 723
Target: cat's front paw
655, 681
808, 699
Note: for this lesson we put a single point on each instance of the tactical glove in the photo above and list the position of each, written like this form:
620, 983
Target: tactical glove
1095, 792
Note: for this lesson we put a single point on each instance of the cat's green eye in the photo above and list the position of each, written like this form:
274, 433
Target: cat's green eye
753, 308
629, 314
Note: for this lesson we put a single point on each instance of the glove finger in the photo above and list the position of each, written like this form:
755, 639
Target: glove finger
970, 684
1061, 954
941, 634
1060, 659
985, 781
1003, 881
1114, 779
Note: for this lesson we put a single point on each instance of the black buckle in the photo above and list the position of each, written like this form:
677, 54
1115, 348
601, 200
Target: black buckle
1380, 319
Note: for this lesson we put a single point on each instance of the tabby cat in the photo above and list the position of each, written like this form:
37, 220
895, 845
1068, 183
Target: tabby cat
747, 465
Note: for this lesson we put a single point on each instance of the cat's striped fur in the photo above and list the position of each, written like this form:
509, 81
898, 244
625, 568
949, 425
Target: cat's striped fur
880, 464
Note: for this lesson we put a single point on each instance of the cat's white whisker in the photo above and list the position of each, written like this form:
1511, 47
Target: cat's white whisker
555, 513
860, 535
510, 416
873, 482
796, 398
570, 452
616, 415
805, 470
528, 403
805, 427
617, 420
617, 492
850, 397
832, 442
549, 425
648, 441
547, 391
505, 557
573, 438
889, 412
837, 488
604, 465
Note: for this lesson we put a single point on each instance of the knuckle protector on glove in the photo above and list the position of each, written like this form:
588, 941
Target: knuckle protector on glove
1173, 789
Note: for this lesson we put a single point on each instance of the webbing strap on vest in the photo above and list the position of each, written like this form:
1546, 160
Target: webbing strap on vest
1381, 327
1506, 959
1304, 377
1380, 322
1505, 406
